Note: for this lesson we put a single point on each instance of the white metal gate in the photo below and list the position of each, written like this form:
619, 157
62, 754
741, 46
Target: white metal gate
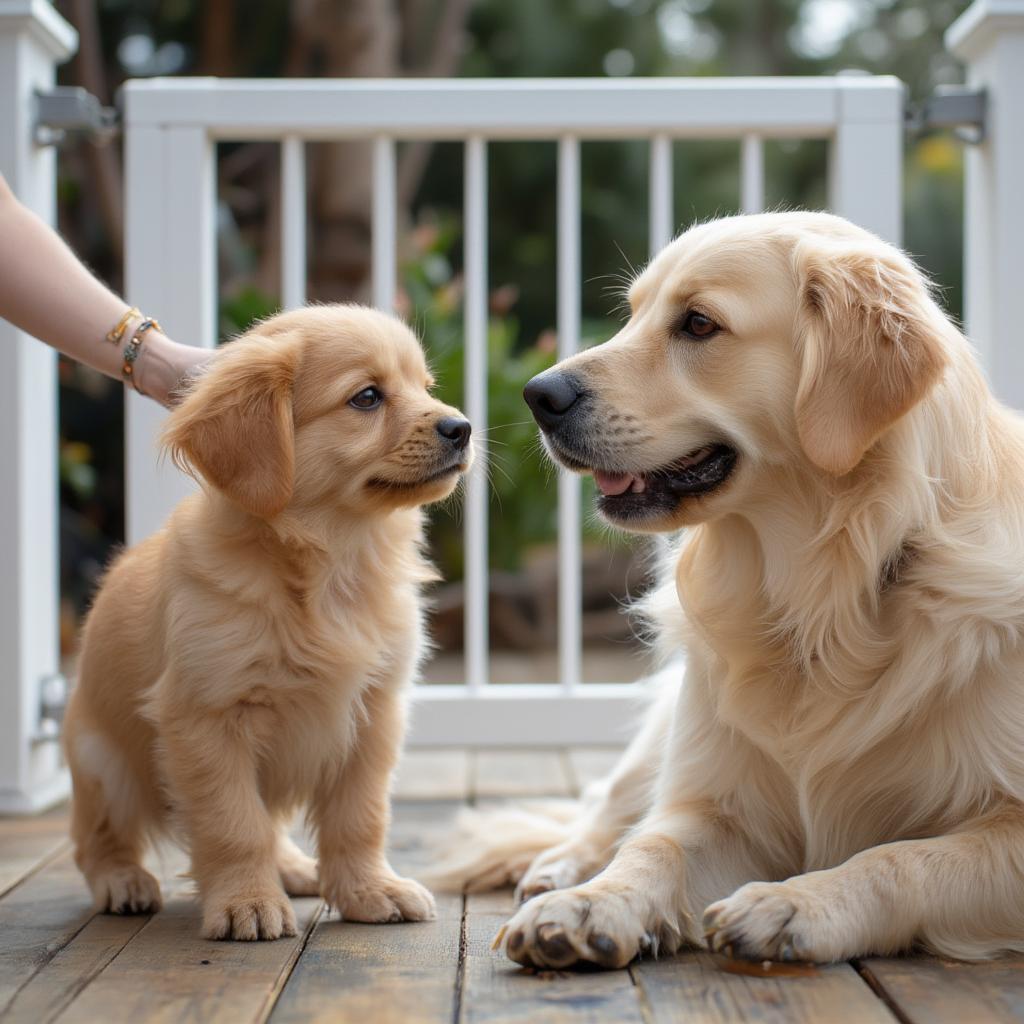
172, 126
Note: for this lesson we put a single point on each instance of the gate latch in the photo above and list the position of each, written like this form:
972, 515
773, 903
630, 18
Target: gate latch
956, 107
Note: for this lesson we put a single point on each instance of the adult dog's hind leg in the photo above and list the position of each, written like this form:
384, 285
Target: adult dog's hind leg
610, 808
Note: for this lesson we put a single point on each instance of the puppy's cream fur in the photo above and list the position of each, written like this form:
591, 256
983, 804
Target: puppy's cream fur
252, 656
841, 772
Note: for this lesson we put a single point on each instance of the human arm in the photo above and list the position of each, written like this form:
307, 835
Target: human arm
46, 291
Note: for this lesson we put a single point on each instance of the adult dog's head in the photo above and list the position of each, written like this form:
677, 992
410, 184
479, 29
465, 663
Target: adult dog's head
787, 339
324, 408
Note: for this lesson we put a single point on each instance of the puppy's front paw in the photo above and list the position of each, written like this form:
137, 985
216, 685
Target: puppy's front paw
770, 921
583, 925
126, 889
379, 899
259, 914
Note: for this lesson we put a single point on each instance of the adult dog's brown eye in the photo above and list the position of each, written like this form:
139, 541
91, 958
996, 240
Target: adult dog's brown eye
368, 398
698, 326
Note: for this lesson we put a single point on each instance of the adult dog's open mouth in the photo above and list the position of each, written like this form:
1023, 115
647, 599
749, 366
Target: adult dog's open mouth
634, 495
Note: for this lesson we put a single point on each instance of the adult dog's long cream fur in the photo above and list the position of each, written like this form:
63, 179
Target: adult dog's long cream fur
252, 657
841, 771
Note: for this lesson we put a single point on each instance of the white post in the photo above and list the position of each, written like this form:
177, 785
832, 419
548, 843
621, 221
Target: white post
170, 274
866, 161
34, 39
989, 39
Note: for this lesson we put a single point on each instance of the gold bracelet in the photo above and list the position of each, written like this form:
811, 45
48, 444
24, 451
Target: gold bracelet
131, 351
115, 334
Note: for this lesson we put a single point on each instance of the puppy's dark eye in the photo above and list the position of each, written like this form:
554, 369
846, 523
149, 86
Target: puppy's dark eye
698, 326
368, 398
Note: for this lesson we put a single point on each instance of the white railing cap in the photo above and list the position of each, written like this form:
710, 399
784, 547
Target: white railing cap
981, 24
41, 20
538, 108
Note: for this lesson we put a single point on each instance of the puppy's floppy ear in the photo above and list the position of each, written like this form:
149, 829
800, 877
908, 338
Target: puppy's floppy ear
235, 427
872, 346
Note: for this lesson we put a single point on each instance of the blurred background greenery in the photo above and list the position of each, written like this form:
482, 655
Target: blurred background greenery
475, 38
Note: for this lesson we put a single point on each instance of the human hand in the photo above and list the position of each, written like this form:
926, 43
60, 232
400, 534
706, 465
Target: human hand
165, 368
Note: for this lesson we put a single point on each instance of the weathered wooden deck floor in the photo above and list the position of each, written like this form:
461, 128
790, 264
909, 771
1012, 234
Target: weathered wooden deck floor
58, 961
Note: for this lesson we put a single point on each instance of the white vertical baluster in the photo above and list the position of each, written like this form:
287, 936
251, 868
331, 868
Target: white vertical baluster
569, 553
660, 225
476, 581
293, 222
384, 224
752, 173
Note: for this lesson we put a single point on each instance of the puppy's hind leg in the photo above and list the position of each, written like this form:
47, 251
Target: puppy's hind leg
108, 827
298, 871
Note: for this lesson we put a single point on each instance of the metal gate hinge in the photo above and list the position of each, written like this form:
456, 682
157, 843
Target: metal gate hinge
72, 110
955, 107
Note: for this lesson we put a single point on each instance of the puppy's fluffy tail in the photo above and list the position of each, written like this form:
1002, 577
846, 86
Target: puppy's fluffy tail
492, 848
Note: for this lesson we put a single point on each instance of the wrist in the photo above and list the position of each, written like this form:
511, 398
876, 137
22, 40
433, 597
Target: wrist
164, 366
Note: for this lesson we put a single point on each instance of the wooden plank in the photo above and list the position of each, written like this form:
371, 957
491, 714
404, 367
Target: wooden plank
28, 843
388, 974
691, 988
496, 991
432, 775
505, 773
588, 764
928, 990
52, 944
37, 918
168, 973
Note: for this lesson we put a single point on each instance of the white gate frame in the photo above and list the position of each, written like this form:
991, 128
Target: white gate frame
173, 125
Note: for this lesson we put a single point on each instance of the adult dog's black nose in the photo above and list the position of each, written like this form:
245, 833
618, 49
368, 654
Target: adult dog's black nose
455, 429
550, 396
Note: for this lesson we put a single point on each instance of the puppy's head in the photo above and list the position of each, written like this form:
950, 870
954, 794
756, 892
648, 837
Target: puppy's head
325, 408
777, 339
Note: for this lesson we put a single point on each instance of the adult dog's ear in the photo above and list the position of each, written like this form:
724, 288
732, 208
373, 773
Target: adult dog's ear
235, 429
872, 346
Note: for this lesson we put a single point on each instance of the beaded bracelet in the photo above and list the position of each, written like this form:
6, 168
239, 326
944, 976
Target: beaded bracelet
131, 351
116, 333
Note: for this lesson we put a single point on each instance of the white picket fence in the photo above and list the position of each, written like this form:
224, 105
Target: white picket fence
172, 128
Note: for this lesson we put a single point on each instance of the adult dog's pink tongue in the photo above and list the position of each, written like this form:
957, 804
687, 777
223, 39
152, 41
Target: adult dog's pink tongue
612, 483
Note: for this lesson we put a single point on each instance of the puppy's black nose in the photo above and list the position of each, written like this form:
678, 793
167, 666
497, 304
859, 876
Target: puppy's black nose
550, 396
456, 430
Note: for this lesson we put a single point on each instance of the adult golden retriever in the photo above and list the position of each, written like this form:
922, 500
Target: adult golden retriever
841, 771
252, 656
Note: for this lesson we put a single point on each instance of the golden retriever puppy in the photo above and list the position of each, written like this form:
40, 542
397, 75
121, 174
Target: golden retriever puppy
841, 771
253, 656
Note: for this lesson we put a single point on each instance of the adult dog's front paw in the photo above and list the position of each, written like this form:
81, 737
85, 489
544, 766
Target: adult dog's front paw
379, 899
772, 921
247, 916
586, 924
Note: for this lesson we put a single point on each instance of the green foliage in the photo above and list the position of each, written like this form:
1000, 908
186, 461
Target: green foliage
522, 504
